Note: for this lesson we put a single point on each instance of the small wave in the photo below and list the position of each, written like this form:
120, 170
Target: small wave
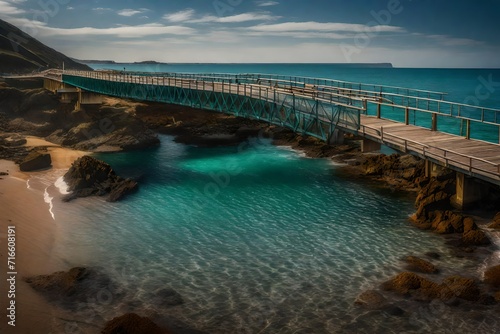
62, 186
48, 200
28, 184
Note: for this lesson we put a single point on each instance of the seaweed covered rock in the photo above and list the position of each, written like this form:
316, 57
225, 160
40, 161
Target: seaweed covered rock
89, 176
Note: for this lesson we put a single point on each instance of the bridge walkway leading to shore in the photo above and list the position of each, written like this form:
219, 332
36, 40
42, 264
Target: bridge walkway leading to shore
419, 122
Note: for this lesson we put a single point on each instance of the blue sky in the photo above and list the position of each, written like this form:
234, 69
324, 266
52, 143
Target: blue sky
407, 33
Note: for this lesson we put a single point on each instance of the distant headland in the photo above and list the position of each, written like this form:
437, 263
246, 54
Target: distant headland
153, 62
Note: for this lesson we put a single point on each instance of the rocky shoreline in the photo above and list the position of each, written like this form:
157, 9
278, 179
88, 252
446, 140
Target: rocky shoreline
125, 125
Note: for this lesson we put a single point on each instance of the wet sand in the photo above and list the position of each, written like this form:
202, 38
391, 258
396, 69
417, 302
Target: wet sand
36, 235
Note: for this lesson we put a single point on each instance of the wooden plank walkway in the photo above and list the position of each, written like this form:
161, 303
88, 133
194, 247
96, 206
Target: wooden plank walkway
472, 157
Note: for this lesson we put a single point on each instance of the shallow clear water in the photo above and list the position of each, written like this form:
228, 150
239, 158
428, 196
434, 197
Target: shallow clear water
257, 239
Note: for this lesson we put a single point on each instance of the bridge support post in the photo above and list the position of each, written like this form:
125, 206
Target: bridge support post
469, 192
337, 137
434, 122
432, 169
368, 146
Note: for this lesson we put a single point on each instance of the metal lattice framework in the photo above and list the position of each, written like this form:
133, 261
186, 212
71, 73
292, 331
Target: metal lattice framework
311, 115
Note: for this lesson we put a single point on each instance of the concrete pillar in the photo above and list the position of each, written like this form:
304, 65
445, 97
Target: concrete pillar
469, 192
337, 137
368, 146
432, 169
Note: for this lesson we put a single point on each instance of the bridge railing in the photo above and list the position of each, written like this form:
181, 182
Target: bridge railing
446, 156
417, 107
313, 114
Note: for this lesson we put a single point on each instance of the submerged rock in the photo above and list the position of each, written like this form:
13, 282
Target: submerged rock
371, 299
492, 276
167, 297
89, 176
420, 265
36, 160
423, 289
410, 284
69, 288
475, 238
132, 323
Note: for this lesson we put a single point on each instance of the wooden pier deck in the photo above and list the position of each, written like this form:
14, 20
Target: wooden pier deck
473, 157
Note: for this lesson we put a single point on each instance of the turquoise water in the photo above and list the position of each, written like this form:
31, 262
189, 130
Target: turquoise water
256, 238
260, 239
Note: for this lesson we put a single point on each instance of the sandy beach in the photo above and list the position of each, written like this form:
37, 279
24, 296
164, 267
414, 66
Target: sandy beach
36, 234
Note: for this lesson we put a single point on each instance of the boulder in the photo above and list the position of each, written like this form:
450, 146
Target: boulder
410, 284
15, 141
35, 160
434, 197
475, 238
469, 225
422, 289
496, 222
461, 287
492, 276
122, 189
371, 299
132, 323
420, 265
89, 176
68, 288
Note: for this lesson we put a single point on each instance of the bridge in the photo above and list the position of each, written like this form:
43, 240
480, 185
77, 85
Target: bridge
446, 134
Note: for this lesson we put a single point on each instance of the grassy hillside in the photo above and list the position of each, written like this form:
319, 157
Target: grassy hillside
21, 53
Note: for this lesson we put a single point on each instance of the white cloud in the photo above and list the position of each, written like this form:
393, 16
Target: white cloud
181, 16
70, 8
101, 10
267, 3
453, 41
319, 26
8, 8
239, 18
131, 12
138, 31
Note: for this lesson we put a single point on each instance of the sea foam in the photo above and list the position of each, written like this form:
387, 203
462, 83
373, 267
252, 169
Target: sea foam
62, 186
48, 200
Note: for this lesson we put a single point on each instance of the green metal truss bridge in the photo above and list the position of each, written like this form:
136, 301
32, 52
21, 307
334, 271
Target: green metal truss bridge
423, 123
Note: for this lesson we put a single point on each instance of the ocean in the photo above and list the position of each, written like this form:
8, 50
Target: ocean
258, 238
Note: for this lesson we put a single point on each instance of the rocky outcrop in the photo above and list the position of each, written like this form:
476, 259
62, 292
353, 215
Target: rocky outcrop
36, 160
496, 222
434, 198
420, 265
492, 276
422, 289
89, 176
132, 323
395, 166
9, 151
434, 212
68, 288
108, 127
